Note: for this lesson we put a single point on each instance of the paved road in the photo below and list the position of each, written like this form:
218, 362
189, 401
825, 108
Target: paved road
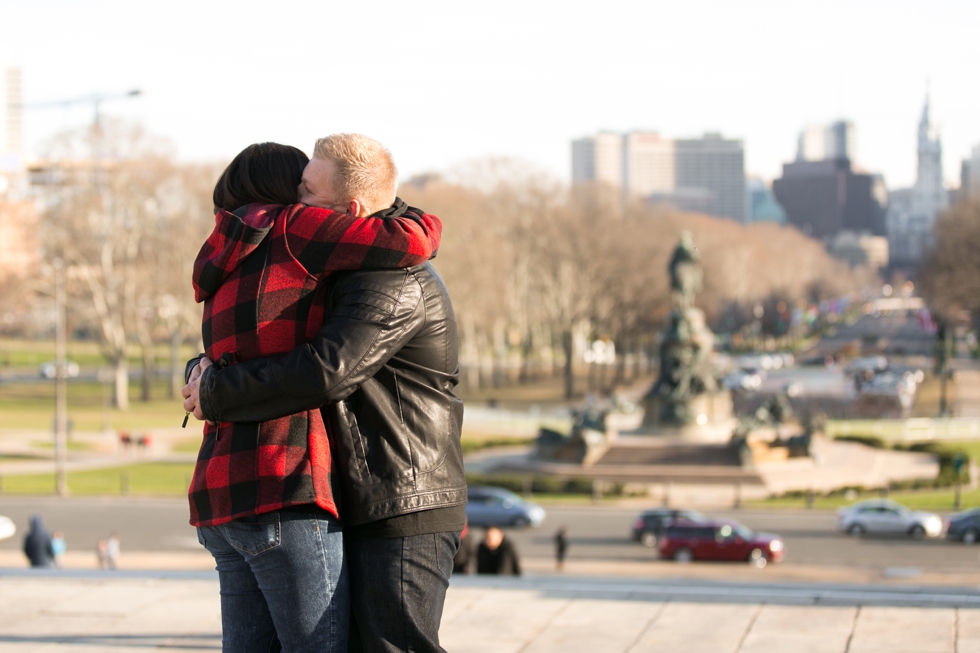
810, 538
595, 533
900, 334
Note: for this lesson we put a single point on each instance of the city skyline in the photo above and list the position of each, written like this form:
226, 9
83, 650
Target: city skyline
456, 84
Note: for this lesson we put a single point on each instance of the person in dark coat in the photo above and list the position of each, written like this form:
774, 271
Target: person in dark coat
37, 544
497, 555
561, 547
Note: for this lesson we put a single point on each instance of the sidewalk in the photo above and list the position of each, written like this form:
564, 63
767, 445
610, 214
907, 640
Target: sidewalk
130, 612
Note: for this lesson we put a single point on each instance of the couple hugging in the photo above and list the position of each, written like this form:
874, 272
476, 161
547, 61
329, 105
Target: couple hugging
327, 384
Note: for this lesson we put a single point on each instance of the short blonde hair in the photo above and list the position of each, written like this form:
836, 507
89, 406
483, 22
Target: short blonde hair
365, 169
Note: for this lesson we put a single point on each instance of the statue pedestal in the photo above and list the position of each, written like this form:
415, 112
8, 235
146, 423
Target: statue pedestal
709, 418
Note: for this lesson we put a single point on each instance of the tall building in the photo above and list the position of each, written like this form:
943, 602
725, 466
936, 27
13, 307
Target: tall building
717, 165
822, 142
704, 174
763, 206
970, 175
912, 212
823, 198
598, 158
13, 111
648, 163
19, 249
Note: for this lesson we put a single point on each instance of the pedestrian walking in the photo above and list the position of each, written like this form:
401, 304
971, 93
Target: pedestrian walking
58, 547
112, 551
102, 553
37, 544
561, 547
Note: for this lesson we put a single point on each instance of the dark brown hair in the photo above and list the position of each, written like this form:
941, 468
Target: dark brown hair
267, 173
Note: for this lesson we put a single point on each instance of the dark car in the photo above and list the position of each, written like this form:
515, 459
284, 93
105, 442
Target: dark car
649, 525
719, 540
964, 526
495, 506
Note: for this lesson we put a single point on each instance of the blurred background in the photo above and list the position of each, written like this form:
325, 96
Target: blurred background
824, 158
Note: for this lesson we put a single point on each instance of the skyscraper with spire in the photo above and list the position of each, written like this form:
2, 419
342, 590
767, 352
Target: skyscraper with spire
912, 211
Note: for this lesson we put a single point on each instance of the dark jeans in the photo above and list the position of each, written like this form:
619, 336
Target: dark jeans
398, 588
283, 581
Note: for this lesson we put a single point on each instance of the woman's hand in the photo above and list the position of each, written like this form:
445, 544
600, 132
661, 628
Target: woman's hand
192, 391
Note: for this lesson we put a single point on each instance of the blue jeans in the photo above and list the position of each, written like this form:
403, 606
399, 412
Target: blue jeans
398, 589
283, 579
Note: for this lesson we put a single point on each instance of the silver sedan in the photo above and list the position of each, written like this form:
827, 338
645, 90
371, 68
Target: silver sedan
887, 517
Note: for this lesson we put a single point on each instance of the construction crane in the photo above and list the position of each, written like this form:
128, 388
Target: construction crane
95, 100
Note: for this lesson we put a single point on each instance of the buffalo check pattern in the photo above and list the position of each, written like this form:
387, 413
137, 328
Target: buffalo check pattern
260, 275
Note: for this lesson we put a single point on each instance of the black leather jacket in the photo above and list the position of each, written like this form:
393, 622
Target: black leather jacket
383, 370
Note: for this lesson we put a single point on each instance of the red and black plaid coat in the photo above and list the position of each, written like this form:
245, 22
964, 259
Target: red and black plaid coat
259, 275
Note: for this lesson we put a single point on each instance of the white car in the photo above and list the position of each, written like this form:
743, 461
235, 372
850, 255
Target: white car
883, 516
7, 528
743, 380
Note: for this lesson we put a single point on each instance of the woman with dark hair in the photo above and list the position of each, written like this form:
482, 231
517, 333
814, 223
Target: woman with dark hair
261, 493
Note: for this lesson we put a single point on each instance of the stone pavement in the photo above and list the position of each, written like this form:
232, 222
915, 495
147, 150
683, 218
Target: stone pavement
130, 612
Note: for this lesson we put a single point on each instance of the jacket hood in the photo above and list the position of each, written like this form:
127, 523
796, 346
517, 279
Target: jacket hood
236, 235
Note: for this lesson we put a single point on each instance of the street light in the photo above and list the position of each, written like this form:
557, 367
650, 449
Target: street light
61, 382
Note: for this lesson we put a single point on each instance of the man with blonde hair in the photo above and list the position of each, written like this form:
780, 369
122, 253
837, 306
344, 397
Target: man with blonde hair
382, 370
361, 170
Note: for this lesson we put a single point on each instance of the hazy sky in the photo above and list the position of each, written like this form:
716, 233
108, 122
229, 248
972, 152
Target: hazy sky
444, 82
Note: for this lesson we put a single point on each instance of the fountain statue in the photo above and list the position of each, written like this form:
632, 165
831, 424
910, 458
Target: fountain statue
686, 399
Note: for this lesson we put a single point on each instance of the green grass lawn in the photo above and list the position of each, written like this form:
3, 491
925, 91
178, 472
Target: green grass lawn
32, 353
147, 479
72, 445
941, 499
31, 406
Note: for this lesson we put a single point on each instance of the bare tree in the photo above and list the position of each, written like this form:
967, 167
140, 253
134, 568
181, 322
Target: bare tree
531, 264
99, 208
950, 276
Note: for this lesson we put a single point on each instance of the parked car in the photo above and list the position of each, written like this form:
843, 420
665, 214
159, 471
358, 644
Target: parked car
49, 370
495, 506
885, 516
684, 541
964, 526
649, 525
743, 380
7, 528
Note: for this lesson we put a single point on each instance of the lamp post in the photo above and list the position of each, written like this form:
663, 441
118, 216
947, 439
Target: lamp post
943, 354
60, 382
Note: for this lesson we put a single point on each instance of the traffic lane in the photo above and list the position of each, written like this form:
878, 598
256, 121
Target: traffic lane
142, 524
811, 538
600, 533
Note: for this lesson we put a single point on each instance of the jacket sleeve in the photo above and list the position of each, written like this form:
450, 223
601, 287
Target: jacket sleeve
368, 324
325, 241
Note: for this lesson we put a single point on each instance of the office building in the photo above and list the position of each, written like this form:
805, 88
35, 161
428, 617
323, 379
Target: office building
19, 248
717, 165
970, 176
648, 163
763, 206
823, 142
598, 159
823, 198
704, 174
